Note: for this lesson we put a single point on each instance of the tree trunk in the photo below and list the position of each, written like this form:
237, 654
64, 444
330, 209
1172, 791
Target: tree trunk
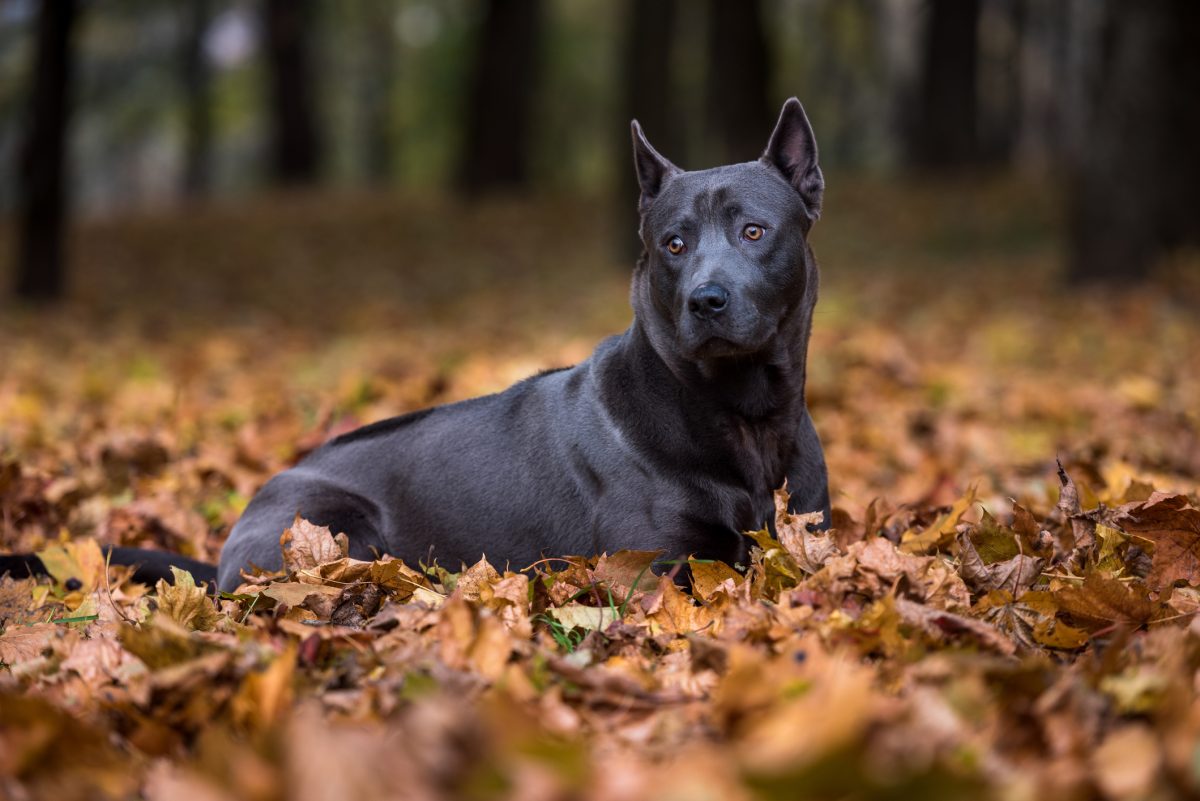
943, 117
739, 80
197, 81
504, 75
649, 98
295, 140
43, 198
377, 89
1136, 167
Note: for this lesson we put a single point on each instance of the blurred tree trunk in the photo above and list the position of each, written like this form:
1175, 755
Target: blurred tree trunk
295, 141
739, 80
378, 87
40, 272
649, 98
942, 120
499, 116
1136, 163
197, 80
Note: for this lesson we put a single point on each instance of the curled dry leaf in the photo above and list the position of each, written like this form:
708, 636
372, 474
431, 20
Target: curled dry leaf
185, 603
305, 546
1015, 575
810, 551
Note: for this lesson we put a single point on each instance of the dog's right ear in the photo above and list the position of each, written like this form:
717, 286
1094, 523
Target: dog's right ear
793, 151
653, 169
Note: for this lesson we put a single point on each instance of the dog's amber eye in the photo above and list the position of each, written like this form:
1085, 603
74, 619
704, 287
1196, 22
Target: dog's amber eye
675, 245
752, 232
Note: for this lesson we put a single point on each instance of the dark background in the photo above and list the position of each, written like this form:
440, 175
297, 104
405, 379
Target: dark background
143, 106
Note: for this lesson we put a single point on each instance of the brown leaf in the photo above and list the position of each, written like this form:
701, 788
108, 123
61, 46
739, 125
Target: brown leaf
1014, 575
1083, 530
626, 570
1173, 525
673, 612
22, 643
305, 546
940, 623
810, 551
97, 660
293, 593
1101, 602
16, 599
476, 580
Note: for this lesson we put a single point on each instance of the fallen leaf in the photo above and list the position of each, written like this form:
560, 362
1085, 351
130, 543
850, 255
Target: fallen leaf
809, 551
305, 546
185, 603
1172, 524
1100, 602
21, 643
942, 532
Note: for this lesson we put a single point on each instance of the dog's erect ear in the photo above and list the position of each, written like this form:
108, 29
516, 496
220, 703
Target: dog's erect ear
653, 169
793, 151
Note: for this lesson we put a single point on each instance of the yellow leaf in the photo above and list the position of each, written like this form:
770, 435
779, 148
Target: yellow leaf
76, 561
185, 603
942, 532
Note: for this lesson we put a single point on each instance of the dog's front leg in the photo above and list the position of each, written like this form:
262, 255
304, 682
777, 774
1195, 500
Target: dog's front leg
807, 479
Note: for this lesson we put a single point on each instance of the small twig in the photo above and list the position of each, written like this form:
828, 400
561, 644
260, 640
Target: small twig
532, 565
249, 609
108, 589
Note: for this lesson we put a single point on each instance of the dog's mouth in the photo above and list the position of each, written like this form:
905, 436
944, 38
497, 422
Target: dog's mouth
726, 338
718, 347
722, 348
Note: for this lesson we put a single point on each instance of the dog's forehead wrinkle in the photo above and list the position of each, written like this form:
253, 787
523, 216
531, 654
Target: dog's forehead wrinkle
722, 194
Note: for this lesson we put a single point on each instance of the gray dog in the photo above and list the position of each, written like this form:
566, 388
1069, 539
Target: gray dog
671, 436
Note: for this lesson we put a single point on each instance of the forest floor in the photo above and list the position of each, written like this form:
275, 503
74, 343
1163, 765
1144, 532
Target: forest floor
977, 625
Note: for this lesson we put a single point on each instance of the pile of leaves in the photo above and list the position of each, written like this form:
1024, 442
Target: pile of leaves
979, 622
896, 657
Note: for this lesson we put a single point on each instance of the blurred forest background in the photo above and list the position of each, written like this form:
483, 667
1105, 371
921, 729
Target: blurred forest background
121, 108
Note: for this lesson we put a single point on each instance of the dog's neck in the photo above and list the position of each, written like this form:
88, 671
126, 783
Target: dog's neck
730, 415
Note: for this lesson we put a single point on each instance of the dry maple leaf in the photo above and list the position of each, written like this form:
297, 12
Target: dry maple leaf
305, 546
670, 610
23, 643
1173, 525
1101, 602
624, 571
185, 603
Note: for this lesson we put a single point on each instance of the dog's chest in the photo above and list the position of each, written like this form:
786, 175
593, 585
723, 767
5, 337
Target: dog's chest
761, 452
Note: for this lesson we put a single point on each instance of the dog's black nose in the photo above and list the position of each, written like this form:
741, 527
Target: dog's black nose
708, 300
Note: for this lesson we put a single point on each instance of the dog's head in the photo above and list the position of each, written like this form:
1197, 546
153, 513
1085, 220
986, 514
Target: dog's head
727, 269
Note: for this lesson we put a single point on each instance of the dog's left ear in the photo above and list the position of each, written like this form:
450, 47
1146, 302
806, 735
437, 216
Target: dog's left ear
793, 151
